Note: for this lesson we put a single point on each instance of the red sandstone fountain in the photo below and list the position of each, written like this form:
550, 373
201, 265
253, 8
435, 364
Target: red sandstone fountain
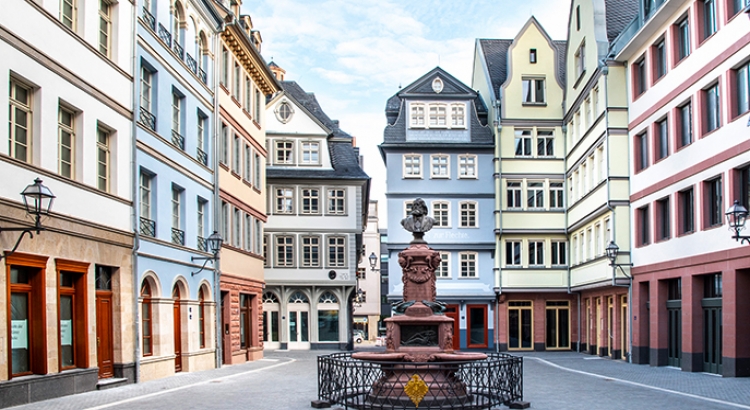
418, 333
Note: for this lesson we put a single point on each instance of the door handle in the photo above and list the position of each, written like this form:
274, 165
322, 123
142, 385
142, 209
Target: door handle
97, 341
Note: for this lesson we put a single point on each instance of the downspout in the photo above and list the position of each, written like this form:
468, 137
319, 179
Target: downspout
134, 195
498, 217
217, 198
564, 128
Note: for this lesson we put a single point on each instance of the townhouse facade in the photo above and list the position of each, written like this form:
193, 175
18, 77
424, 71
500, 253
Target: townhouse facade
67, 311
317, 211
367, 302
438, 146
687, 74
176, 176
244, 82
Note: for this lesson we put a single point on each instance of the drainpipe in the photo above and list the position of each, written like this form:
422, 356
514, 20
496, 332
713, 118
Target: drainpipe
217, 198
564, 128
134, 195
498, 218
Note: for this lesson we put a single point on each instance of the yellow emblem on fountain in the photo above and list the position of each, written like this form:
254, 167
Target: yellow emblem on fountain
416, 389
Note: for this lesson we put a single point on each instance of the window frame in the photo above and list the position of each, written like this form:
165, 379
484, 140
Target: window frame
530, 90
658, 60
514, 194
336, 201
336, 256
27, 108
523, 142
536, 250
663, 219
558, 253
103, 158
314, 201
467, 166
315, 244
147, 320
740, 89
545, 142
468, 214
283, 203
72, 20
681, 38
105, 19
286, 248
70, 131
713, 200
443, 270
686, 211
510, 258
78, 294
643, 224
680, 123
661, 139
312, 149
468, 263
708, 114
639, 76
440, 166
535, 195
556, 195
412, 166
441, 212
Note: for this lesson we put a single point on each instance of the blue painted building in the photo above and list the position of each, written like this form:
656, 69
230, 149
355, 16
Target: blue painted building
175, 185
438, 146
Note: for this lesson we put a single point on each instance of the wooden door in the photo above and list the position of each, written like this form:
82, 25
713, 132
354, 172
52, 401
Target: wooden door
177, 331
104, 345
452, 312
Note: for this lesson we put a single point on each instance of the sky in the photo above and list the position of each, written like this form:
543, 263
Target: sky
355, 54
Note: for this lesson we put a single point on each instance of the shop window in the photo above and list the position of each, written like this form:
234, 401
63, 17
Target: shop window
476, 318
27, 350
202, 318
328, 318
147, 348
73, 333
558, 325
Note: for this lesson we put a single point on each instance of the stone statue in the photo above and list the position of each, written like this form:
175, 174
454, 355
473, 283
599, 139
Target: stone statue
419, 221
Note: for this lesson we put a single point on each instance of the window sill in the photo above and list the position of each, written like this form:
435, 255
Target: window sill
534, 104
712, 227
578, 80
684, 234
467, 177
468, 278
707, 133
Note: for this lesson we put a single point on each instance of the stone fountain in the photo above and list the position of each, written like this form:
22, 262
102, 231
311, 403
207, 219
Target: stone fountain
418, 333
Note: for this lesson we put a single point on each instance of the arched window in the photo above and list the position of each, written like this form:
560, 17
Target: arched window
298, 297
146, 323
201, 318
177, 24
328, 297
269, 297
202, 52
328, 317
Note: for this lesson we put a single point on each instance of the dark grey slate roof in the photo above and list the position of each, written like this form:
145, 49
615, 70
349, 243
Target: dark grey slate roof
496, 56
308, 101
619, 14
562, 51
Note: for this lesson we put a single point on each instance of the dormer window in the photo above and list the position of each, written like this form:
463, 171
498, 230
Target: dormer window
417, 115
437, 85
284, 112
457, 115
440, 115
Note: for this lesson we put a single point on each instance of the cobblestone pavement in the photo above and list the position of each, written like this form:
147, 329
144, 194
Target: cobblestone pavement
559, 380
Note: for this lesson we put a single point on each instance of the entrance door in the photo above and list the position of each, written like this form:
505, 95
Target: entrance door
270, 321
476, 324
520, 329
299, 330
598, 325
589, 327
104, 346
452, 312
226, 336
624, 328
674, 332
712, 336
610, 324
177, 330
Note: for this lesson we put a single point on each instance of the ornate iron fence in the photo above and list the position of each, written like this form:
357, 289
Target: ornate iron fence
165, 35
359, 384
202, 156
147, 119
178, 236
148, 227
150, 20
178, 140
177, 48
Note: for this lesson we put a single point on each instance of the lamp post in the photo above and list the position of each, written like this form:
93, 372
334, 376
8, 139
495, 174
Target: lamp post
612, 250
213, 244
736, 218
37, 199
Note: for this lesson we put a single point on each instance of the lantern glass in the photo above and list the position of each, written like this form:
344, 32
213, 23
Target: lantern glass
612, 250
214, 242
37, 198
373, 260
736, 216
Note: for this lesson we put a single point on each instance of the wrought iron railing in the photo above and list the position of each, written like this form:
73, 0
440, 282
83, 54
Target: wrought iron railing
177, 48
149, 19
202, 156
360, 384
165, 35
148, 227
178, 140
147, 119
178, 236
192, 65
202, 76
202, 245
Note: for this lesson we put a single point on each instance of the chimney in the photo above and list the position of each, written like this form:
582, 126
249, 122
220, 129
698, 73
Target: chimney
277, 71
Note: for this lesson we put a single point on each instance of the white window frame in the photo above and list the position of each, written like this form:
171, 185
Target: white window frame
560, 247
556, 195
458, 115
412, 164
248, 233
288, 241
144, 197
176, 207
336, 255
311, 149
441, 209
468, 212
69, 130
306, 193
444, 270
546, 142
440, 166
516, 195
311, 242
508, 257
286, 149
437, 115
407, 208
71, 21
284, 200
146, 89
535, 195
534, 250
247, 169
105, 27
236, 228
103, 158
530, 96
468, 265
467, 166
336, 201
26, 109
417, 115
523, 140
237, 154
258, 171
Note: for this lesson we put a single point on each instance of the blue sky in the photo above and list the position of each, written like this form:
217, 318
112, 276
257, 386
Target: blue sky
354, 54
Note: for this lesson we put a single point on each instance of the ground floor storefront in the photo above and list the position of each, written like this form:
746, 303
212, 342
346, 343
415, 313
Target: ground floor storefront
694, 313
242, 319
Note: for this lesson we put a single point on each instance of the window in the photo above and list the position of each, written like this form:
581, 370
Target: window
709, 18
556, 195
659, 59
336, 251
257, 106
225, 219
682, 37
102, 159
711, 108
663, 216
438, 115
258, 168
284, 251
72, 314
536, 253
336, 201
661, 139
468, 264
559, 254
467, 166
105, 26
439, 166
328, 318
147, 226
545, 143
736, 6
224, 67
177, 138
742, 89
407, 208
535, 195
743, 189
178, 236
248, 95
644, 227
66, 142
200, 226
417, 115
28, 352
578, 18
523, 143
639, 77
147, 325
236, 239
443, 271
284, 152
236, 154
247, 169
532, 56
284, 112
557, 326
246, 311
457, 115
310, 152
68, 11
310, 251
512, 253
259, 238
641, 141
714, 209
468, 214
284, 200
533, 91
513, 193
266, 258
310, 201
686, 209
412, 166
601, 164
201, 319
598, 246
224, 158
580, 59
19, 130
146, 90
685, 124
441, 212
236, 77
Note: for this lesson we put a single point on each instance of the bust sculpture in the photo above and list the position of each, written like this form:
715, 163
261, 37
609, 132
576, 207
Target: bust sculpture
419, 221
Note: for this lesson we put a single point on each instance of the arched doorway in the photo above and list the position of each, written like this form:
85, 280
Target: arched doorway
328, 318
299, 321
176, 296
271, 308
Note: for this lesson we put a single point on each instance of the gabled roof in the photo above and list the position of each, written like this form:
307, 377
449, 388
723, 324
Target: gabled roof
423, 85
619, 14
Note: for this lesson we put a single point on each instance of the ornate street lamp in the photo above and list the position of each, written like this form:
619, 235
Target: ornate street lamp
213, 243
612, 251
373, 260
736, 218
37, 199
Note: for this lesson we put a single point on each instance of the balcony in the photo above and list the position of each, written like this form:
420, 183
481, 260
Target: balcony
191, 63
178, 236
177, 48
178, 140
202, 75
202, 246
148, 227
147, 119
150, 20
202, 157
165, 35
